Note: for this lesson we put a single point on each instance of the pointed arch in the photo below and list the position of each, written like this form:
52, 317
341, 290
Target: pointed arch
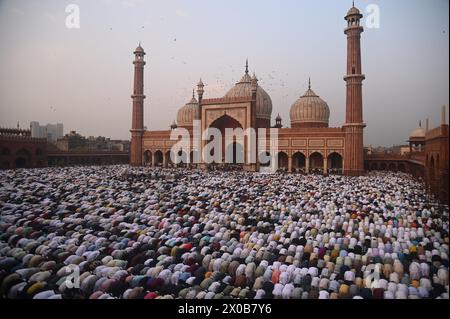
316, 162
235, 153
335, 163
159, 158
148, 158
298, 162
223, 123
283, 160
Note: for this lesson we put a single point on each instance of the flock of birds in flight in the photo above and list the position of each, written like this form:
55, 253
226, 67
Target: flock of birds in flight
221, 86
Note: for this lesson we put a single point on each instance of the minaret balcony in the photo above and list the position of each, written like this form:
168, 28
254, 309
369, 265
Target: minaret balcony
138, 96
355, 77
354, 28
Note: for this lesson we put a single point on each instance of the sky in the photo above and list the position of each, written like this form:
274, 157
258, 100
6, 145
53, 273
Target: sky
82, 77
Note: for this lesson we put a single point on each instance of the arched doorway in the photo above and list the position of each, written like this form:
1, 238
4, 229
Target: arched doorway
402, 168
374, 167
316, 163
21, 162
335, 163
222, 124
23, 157
299, 162
383, 166
168, 158
392, 167
159, 160
283, 161
235, 154
147, 158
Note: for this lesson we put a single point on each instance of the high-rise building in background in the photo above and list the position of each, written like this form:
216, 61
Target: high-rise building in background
52, 132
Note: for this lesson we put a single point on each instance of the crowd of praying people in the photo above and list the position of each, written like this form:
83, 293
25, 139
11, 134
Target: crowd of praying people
117, 232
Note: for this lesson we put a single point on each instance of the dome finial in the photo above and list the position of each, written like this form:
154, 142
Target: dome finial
193, 93
420, 123
353, 3
246, 66
309, 83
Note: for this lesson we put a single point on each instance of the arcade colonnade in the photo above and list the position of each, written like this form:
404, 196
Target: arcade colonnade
288, 161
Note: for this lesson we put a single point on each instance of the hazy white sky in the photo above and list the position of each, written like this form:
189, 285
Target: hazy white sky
83, 77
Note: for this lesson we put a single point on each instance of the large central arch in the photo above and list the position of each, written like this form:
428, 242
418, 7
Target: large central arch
234, 153
227, 122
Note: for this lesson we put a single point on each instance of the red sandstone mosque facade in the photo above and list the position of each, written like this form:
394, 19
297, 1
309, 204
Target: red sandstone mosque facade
308, 145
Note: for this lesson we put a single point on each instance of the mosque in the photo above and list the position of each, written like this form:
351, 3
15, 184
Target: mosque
308, 145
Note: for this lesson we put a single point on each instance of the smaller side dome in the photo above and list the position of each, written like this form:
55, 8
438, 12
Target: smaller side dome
309, 111
418, 133
188, 113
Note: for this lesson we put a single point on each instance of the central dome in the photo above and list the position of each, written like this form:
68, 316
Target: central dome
263, 101
310, 111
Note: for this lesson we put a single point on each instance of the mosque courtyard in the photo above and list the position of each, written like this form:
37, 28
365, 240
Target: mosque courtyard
150, 233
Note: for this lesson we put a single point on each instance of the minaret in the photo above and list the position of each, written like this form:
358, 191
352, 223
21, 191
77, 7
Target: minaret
137, 126
354, 125
254, 86
443, 115
200, 91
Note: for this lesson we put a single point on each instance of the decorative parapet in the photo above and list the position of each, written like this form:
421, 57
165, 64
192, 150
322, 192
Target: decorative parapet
226, 100
86, 153
19, 138
440, 131
14, 132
